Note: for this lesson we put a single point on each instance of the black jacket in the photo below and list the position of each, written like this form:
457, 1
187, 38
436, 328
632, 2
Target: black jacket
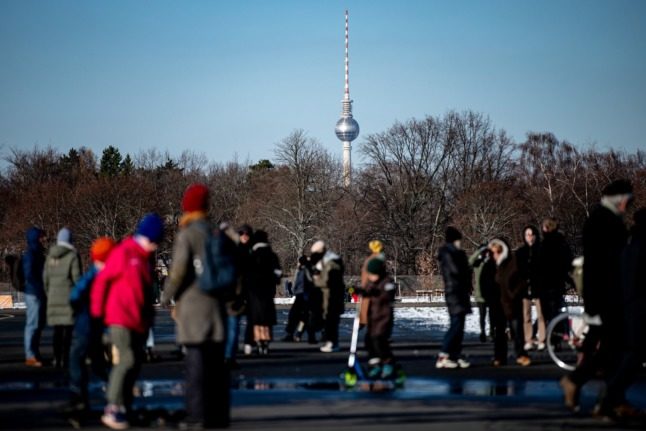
604, 237
456, 273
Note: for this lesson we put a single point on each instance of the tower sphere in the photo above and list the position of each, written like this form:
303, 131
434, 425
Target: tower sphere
347, 129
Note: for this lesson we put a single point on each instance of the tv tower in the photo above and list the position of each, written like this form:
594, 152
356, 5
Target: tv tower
347, 128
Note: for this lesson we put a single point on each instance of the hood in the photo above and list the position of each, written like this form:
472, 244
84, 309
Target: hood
59, 250
505, 249
33, 236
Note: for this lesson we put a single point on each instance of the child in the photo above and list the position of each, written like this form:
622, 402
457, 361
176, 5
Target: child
381, 291
86, 338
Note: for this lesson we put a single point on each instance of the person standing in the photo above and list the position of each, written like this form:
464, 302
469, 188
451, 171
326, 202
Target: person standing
62, 271
528, 261
265, 275
327, 274
88, 333
456, 274
122, 296
604, 238
200, 317
510, 284
381, 291
554, 266
33, 263
477, 261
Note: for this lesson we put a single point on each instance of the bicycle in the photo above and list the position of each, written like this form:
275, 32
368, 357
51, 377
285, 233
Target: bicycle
565, 335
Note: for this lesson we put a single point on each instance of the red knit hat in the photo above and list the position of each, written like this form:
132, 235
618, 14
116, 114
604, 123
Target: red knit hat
196, 198
101, 248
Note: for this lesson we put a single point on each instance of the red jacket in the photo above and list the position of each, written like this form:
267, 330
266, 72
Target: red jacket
121, 292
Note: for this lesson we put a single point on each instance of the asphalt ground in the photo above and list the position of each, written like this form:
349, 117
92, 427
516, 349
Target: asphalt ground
298, 387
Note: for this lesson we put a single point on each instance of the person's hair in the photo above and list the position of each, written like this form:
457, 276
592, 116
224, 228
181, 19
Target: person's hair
497, 248
550, 224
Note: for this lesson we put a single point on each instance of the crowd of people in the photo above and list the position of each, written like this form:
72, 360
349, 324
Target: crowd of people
114, 299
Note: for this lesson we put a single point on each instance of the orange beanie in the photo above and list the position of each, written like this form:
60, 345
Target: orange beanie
101, 248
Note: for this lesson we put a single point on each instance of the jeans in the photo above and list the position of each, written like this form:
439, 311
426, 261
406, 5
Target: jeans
34, 324
233, 329
452, 344
87, 342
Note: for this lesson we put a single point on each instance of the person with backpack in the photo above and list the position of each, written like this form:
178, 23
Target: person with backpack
200, 316
62, 271
122, 296
88, 333
32, 263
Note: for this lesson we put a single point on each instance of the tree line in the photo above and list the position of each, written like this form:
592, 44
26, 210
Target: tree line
416, 178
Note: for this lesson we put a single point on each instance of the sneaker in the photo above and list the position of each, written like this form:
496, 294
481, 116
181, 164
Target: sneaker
387, 372
248, 349
523, 361
114, 417
374, 372
528, 346
443, 361
329, 347
463, 364
540, 347
570, 393
33, 362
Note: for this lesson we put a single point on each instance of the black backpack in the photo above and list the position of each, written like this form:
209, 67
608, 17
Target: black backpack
16, 272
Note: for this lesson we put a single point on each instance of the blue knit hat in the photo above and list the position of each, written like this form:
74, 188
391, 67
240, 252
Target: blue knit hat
152, 227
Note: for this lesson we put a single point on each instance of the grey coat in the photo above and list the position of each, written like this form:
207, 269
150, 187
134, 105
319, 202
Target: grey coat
199, 316
62, 271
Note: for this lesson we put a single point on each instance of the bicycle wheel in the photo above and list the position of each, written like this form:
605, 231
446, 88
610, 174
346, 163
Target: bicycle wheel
565, 334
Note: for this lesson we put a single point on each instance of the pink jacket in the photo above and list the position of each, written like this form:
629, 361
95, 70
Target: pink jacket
121, 293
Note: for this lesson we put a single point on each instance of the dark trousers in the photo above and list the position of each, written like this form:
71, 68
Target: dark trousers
62, 341
297, 313
332, 326
208, 398
499, 335
86, 342
452, 344
379, 347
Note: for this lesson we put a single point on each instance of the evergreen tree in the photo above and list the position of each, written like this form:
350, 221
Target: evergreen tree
110, 162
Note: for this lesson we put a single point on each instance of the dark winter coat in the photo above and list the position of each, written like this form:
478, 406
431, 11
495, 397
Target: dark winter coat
33, 263
200, 317
265, 275
633, 283
62, 271
80, 301
237, 304
510, 283
380, 313
528, 262
554, 265
456, 273
604, 237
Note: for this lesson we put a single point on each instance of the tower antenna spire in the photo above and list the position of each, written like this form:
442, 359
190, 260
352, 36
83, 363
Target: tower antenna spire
347, 128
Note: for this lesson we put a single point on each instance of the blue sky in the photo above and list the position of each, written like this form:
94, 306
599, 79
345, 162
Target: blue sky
232, 78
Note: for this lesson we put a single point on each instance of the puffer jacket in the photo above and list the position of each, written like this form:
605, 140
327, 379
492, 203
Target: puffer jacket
62, 271
380, 313
33, 262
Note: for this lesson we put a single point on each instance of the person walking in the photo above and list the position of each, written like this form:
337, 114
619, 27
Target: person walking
328, 277
62, 271
88, 333
33, 263
245, 235
604, 238
528, 260
200, 317
265, 275
121, 295
456, 274
298, 320
510, 284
